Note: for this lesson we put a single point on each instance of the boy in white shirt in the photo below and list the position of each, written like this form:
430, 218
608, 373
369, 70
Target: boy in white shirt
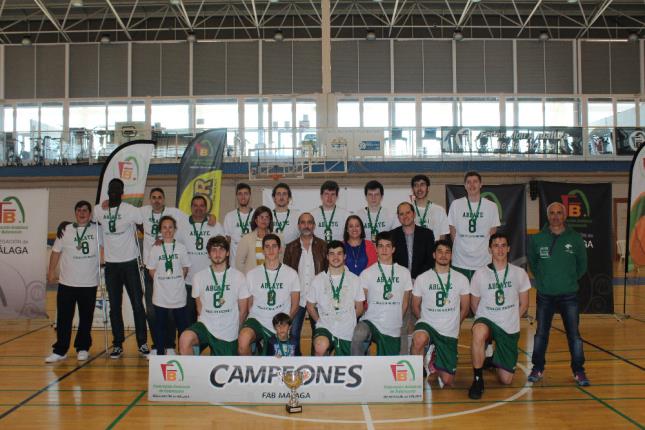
429, 215
375, 217
285, 219
237, 222
330, 219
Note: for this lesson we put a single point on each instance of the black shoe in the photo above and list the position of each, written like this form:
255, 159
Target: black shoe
144, 350
476, 389
488, 363
117, 352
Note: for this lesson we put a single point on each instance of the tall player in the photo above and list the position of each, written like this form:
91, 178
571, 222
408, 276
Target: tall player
334, 302
274, 288
375, 217
429, 215
500, 296
237, 222
440, 301
285, 219
330, 219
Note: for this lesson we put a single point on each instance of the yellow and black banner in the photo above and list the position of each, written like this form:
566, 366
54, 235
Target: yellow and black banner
200, 170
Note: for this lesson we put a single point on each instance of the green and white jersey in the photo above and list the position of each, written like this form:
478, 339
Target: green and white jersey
385, 307
194, 236
79, 261
500, 305
271, 291
286, 224
169, 286
470, 250
120, 242
434, 218
219, 299
337, 311
376, 222
440, 301
151, 231
334, 219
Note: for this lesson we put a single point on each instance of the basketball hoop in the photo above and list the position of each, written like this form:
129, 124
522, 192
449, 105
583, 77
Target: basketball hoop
276, 176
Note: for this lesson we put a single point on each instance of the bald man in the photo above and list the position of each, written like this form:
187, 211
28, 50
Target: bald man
558, 259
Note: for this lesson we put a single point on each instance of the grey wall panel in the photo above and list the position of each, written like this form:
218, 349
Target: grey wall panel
437, 66
595, 67
559, 67
498, 63
625, 68
242, 68
83, 70
113, 70
209, 69
277, 73
374, 66
175, 59
50, 71
146, 69
408, 66
470, 66
307, 67
530, 66
19, 75
344, 67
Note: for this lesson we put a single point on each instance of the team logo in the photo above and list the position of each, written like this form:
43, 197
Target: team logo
172, 371
11, 211
402, 371
493, 198
576, 204
568, 248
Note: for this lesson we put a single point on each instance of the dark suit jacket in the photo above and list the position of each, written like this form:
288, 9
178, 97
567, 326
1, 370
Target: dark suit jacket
422, 247
294, 249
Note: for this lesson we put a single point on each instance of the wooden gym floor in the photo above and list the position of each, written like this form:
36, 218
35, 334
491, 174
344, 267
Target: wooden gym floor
103, 393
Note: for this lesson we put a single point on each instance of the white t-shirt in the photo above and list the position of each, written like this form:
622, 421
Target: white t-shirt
222, 319
120, 245
440, 312
233, 229
286, 283
290, 229
505, 313
337, 223
385, 221
151, 220
79, 267
169, 290
470, 250
337, 317
436, 219
197, 249
385, 313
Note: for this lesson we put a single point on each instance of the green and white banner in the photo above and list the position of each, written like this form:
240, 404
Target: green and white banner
393, 379
23, 253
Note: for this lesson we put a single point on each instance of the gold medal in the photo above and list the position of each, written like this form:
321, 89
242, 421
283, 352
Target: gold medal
221, 302
389, 296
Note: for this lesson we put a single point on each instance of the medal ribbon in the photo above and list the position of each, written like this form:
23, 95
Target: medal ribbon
472, 224
80, 238
271, 286
244, 226
335, 291
155, 223
387, 287
331, 219
199, 242
422, 219
445, 289
218, 295
281, 225
373, 225
167, 260
499, 294
112, 219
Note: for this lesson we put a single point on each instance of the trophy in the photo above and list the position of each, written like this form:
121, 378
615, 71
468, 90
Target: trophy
293, 379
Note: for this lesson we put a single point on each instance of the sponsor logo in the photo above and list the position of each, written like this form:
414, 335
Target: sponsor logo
203, 148
172, 371
493, 198
348, 376
636, 139
128, 170
576, 204
11, 211
402, 371
568, 248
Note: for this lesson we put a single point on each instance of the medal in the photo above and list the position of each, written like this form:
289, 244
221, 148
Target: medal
244, 226
221, 302
112, 219
327, 225
82, 245
168, 258
335, 291
389, 296
280, 226
422, 219
78, 247
373, 225
271, 294
387, 287
472, 222
218, 294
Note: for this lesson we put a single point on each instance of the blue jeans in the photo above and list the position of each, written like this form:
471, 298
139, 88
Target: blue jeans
296, 328
162, 315
567, 306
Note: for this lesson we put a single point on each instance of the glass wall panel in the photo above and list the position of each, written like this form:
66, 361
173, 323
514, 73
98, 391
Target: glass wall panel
480, 113
349, 113
626, 113
170, 117
307, 120
561, 113
600, 119
376, 113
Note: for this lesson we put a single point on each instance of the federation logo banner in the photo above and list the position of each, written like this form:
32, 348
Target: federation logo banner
636, 221
23, 253
258, 380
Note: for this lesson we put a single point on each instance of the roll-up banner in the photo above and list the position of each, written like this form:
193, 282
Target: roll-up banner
636, 215
511, 205
128, 162
200, 170
257, 380
588, 208
23, 252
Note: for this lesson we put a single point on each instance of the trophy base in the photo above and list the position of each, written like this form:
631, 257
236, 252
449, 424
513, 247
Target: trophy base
294, 409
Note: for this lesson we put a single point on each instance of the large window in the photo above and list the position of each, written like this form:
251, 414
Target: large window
600, 119
626, 113
170, 117
349, 113
216, 114
306, 119
256, 122
524, 113
281, 125
600, 113
561, 113
376, 113
483, 113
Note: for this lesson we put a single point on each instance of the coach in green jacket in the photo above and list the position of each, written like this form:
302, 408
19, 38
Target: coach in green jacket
557, 258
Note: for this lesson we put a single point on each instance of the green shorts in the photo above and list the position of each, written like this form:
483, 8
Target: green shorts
445, 348
262, 334
206, 339
339, 346
506, 351
466, 272
385, 345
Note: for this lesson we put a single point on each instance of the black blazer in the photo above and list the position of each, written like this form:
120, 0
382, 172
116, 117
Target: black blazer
422, 247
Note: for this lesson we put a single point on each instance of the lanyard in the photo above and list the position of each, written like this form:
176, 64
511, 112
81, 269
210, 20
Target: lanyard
112, 219
199, 240
472, 223
499, 293
271, 296
281, 225
80, 238
218, 295
422, 219
335, 291
168, 260
445, 289
373, 225
327, 225
387, 288
154, 231
244, 226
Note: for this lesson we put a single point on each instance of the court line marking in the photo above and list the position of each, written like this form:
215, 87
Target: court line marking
126, 410
25, 334
605, 350
610, 407
368, 417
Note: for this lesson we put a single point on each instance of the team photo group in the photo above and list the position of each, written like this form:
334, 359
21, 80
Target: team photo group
395, 281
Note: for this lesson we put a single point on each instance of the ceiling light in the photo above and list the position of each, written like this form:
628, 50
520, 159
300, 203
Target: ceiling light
105, 39
475, 1
191, 37
457, 35
26, 40
572, 1
633, 36
544, 36
278, 36
175, 2
370, 35
77, 3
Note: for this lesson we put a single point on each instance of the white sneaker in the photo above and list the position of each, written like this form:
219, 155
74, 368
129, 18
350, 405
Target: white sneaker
82, 355
55, 358
152, 352
170, 351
